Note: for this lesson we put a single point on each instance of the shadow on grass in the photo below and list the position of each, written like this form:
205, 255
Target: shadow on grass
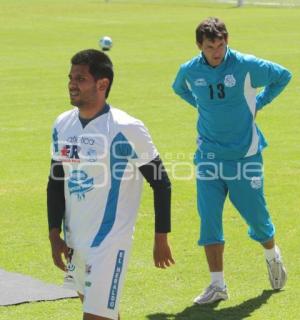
208, 312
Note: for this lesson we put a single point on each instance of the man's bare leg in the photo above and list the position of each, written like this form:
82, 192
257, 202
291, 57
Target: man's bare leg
88, 316
269, 244
214, 256
81, 296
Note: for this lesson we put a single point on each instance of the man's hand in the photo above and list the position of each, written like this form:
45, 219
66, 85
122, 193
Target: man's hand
59, 249
161, 252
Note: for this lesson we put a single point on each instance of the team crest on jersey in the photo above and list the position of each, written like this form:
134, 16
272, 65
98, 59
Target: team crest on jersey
229, 81
79, 183
200, 82
91, 155
256, 182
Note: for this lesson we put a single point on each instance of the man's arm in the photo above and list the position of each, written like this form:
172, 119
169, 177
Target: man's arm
156, 175
56, 211
182, 88
272, 76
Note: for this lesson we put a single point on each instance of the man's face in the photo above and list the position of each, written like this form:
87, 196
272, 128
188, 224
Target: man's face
214, 51
83, 88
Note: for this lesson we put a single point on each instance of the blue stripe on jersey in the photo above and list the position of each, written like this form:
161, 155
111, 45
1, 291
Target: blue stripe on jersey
115, 280
120, 152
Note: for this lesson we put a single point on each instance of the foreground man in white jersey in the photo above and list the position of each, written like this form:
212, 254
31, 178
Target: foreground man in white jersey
100, 155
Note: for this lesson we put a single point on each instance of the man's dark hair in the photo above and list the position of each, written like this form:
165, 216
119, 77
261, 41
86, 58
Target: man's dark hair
211, 28
100, 66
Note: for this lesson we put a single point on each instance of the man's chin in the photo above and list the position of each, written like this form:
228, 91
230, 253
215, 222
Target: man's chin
75, 103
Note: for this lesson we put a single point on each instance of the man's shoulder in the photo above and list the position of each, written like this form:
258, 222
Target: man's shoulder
129, 126
123, 119
190, 64
242, 57
66, 116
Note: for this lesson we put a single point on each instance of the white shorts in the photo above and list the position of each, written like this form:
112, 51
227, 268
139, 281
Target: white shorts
99, 277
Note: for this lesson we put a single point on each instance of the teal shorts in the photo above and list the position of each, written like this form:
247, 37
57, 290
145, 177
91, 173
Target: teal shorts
242, 180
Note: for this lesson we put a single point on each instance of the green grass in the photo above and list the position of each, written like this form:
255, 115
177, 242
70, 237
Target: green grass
151, 39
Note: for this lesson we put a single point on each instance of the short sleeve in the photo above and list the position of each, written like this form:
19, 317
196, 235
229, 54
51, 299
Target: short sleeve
137, 144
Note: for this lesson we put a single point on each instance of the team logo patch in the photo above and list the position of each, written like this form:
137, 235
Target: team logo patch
229, 81
70, 153
91, 155
70, 266
256, 182
200, 82
79, 183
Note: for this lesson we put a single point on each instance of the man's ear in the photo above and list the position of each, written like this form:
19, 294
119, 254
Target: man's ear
103, 84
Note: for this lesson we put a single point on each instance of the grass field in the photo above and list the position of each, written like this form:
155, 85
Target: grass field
151, 39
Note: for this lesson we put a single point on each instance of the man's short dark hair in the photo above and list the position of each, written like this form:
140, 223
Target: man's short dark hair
100, 66
211, 28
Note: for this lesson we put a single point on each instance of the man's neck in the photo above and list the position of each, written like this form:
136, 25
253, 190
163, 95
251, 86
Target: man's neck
86, 121
89, 112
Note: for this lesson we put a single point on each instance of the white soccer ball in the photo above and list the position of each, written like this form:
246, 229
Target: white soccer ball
105, 43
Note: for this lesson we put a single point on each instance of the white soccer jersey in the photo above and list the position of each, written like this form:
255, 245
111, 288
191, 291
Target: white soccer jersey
102, 182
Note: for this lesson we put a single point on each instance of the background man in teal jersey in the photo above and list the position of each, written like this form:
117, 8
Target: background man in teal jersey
221, 83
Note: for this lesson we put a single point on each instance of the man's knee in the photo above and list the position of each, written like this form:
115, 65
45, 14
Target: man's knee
89, 316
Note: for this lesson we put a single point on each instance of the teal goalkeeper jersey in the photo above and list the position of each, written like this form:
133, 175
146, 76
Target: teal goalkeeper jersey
227, 102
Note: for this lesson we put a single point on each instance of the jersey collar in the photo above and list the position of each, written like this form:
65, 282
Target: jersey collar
202, 59
84, 122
